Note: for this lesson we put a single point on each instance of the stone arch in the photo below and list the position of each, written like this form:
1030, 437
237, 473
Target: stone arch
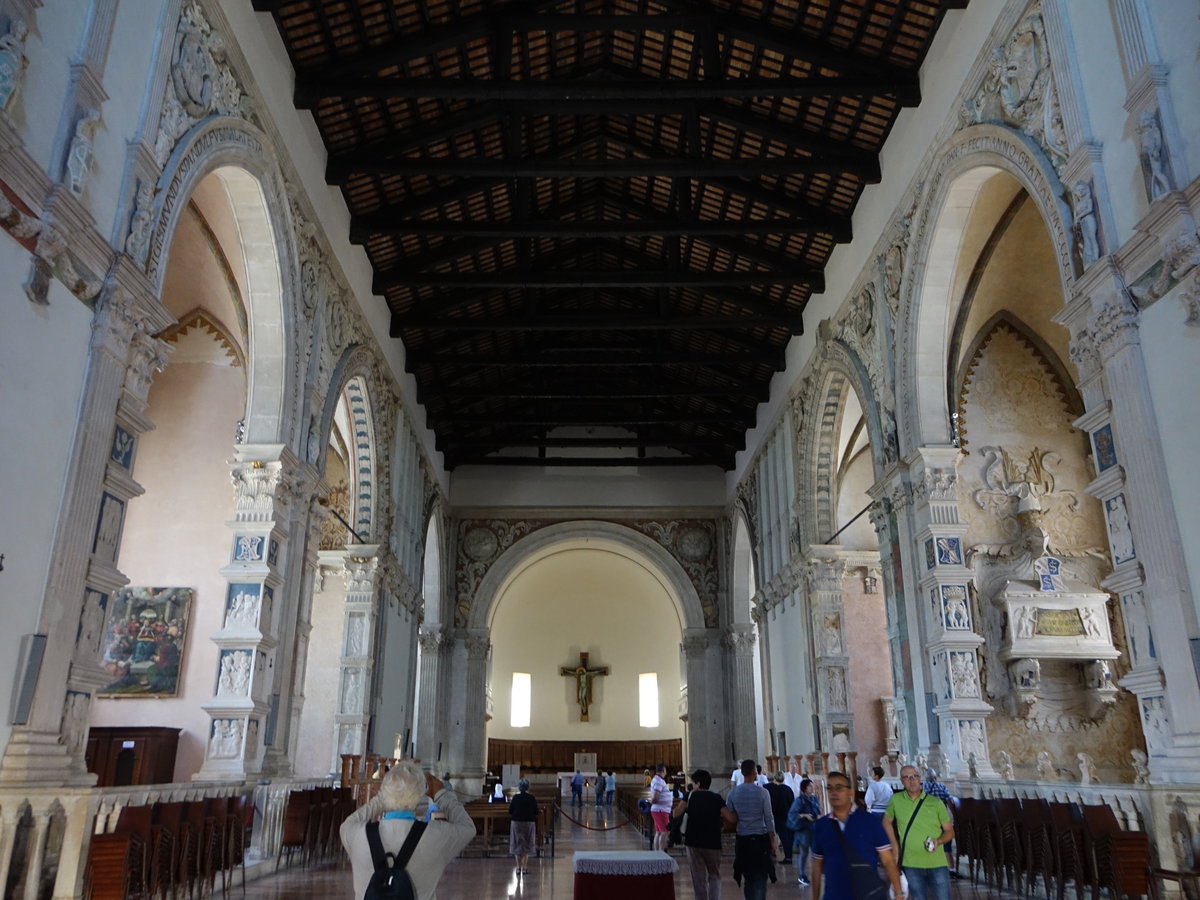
432, 568
596, 535
838, 370
963, 166
356, 375
241, 157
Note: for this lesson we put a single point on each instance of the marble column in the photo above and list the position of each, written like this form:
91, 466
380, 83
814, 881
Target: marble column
739, 642
950, 644
825, 570
474, 752
430, 702
1149, 567
360, 619
267, 480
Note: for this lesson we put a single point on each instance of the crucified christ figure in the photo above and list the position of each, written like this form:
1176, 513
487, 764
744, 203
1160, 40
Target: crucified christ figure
583, 682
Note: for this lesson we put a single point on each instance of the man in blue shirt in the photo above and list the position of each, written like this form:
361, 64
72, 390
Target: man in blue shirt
847, 826
577, 788
755, 826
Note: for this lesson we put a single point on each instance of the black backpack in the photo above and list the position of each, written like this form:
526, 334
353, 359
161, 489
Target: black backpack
390, 881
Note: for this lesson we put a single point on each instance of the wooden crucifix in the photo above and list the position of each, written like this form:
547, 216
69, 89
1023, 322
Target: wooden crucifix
583, 682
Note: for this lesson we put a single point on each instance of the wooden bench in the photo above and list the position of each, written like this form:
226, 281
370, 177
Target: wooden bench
491, 826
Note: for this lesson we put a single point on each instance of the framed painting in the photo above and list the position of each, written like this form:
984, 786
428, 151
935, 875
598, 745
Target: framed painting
144, 634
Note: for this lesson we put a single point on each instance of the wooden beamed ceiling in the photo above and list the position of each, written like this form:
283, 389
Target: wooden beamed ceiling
597, 223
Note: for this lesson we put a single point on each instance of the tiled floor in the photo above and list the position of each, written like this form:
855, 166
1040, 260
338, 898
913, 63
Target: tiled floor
494, 879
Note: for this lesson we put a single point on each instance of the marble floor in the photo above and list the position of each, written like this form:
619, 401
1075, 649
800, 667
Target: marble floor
494, 878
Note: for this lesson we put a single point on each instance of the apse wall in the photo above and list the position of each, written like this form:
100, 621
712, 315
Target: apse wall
597, 602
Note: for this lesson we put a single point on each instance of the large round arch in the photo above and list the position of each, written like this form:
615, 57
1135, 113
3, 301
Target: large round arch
964, 165
355, 377
594, 535
239, 155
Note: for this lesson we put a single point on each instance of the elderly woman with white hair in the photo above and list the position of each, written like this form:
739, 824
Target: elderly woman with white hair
522, 830
401, 789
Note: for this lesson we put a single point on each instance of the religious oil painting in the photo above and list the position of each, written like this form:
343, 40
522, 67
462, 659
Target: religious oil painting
143, 641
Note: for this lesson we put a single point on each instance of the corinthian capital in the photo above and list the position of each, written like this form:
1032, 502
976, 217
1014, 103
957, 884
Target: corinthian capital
1115, 325
362, 573
826, 574
261, 490
147, 355
478, 646
431, 642
739, 641
116, 322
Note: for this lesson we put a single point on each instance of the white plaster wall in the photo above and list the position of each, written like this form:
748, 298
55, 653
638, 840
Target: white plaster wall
175, 536
792, 690
314, 753
594, 601
43, 359
393, 714
1172, 355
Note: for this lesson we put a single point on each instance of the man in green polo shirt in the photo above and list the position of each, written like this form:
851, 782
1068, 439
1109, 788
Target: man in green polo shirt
918, 826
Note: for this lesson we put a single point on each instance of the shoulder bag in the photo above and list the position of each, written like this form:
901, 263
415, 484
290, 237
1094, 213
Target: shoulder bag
865, 883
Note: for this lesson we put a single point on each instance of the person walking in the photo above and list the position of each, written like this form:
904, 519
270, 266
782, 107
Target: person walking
801, 817
706, 813
577, 788
848, 835
919, 826
661, 801
782, 797
879, 792
755, 829
522, 830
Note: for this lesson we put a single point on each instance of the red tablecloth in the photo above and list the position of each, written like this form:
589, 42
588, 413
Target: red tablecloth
629, 875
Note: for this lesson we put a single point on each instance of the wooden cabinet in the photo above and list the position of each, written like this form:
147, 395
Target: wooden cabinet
132, 755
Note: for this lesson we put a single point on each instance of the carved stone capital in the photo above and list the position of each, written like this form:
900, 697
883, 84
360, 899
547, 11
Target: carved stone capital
147, 355
826, 574
694, 645
1115, 325
262, 490
363, 574
478, 646
1084, 353
739, 641
116, 322
1190, 298
431, 642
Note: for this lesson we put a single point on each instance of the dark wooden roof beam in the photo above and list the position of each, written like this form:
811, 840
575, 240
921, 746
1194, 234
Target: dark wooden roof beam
585, 323
590, 280
588, 357
618, 417
363, 227
678, 167
638, 440
595, 462
312, 89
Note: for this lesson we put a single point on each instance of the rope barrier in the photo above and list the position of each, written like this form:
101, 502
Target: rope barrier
572, 819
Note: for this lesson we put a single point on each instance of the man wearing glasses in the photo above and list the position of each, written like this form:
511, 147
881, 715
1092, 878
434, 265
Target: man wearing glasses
848, 835
919, 826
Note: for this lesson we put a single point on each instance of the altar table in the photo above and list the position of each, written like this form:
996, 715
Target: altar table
627, 874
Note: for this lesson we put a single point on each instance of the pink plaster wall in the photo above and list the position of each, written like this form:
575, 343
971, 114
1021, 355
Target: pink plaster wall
870, 667
175, 535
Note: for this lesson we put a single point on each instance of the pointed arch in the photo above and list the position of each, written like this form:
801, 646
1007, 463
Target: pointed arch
927, 308
1007, 321
241, 157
